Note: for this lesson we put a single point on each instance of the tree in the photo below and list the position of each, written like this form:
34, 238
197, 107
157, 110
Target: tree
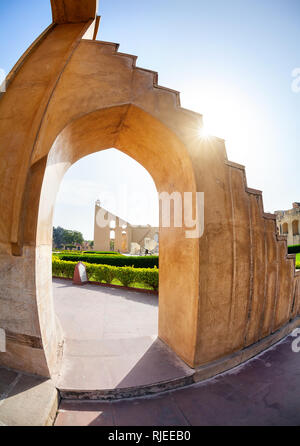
78, 237
63, 236
58, 237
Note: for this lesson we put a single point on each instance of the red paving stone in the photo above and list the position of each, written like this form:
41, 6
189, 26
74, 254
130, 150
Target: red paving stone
263, 392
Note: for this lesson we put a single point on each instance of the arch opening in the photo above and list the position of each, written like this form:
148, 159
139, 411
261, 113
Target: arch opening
285, 228
122, 322
158, 150
295, 225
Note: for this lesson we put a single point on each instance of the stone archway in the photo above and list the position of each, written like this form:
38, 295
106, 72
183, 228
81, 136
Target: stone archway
89, 134
70, 95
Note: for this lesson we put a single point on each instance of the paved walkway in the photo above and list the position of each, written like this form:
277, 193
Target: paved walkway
111, 339
26, 400
263, 392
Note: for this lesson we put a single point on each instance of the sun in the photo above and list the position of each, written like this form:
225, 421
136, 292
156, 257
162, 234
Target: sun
204, 132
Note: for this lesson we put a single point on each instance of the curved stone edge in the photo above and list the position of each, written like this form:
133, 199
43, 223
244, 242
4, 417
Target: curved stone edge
200, 374
18, 65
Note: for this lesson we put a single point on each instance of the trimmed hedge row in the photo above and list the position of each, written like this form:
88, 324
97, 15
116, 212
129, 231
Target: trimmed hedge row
112, 253
114, 260
67, 252
79, 253
298, 261
294, 249
106, 273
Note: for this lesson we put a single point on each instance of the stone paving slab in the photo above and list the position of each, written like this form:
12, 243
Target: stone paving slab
26, 400
265, 391
119, 364
92, 312
111, 339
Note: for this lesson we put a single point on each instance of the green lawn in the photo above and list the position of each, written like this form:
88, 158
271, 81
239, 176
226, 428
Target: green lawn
298, 261
133, 285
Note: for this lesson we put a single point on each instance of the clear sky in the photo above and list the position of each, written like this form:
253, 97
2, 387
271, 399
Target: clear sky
232, 60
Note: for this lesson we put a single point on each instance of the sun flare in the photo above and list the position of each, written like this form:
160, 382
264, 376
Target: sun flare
204, 132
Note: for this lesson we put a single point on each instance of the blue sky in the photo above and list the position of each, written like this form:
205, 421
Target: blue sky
232, 61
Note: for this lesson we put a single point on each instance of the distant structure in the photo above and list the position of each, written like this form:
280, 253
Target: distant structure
119, 235
288, 223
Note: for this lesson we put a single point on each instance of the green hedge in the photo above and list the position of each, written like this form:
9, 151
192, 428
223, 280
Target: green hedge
112, 253
106, 273
69, 253
63, 269
114, 260
298, 261
79, 253
294, 249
